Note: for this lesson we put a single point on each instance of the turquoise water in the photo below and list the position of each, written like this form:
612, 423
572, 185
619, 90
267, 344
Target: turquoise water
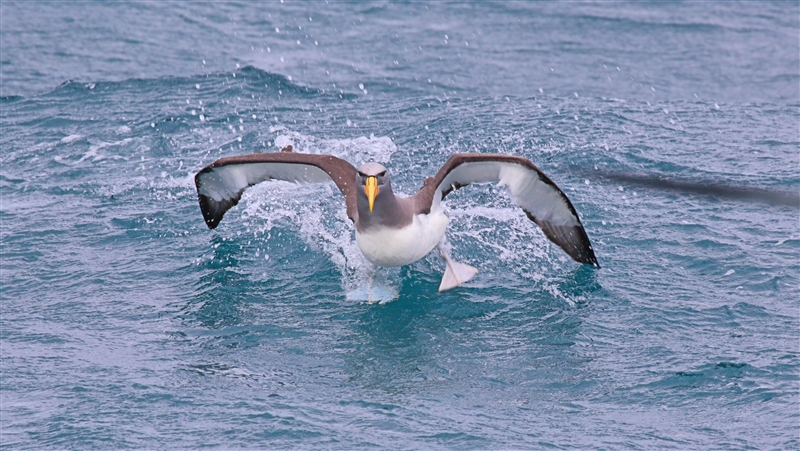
126, 323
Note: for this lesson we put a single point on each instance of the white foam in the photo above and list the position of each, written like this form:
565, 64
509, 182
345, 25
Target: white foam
373, 293
70, 139
94, 150
355, 150
317, 212
513, 241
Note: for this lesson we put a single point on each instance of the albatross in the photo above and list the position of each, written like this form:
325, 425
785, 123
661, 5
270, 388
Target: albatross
392, 230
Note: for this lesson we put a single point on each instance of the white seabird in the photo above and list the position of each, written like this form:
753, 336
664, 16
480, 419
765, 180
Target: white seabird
393, 230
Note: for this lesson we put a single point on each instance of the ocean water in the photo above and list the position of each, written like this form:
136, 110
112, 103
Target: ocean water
126, 323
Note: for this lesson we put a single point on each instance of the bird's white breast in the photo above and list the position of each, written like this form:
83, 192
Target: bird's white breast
398, 247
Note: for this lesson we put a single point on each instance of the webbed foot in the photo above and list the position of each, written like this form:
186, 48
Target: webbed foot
455, 273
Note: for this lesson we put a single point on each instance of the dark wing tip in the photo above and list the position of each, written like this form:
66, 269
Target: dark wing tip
572, 239
213, 211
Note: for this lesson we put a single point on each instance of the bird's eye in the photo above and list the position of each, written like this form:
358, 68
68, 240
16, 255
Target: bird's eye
382, 174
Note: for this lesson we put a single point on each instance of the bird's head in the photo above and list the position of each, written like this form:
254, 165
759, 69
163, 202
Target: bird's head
373, 182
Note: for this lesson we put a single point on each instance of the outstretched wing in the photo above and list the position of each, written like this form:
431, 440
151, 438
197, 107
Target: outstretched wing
540, 198
220, 185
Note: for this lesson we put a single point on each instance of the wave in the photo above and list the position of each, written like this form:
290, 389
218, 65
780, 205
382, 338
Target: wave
245, 80
10, 99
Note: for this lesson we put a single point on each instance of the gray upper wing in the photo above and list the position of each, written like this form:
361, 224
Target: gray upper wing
220, 185
540, 198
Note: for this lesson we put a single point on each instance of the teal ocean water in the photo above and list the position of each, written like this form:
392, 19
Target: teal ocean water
126, 323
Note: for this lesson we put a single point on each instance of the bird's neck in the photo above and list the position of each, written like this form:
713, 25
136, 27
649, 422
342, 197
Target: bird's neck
388, 211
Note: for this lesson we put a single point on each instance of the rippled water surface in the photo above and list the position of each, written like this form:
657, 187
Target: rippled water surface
126, 323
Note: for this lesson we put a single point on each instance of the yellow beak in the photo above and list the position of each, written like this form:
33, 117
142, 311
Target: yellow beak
371, 189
